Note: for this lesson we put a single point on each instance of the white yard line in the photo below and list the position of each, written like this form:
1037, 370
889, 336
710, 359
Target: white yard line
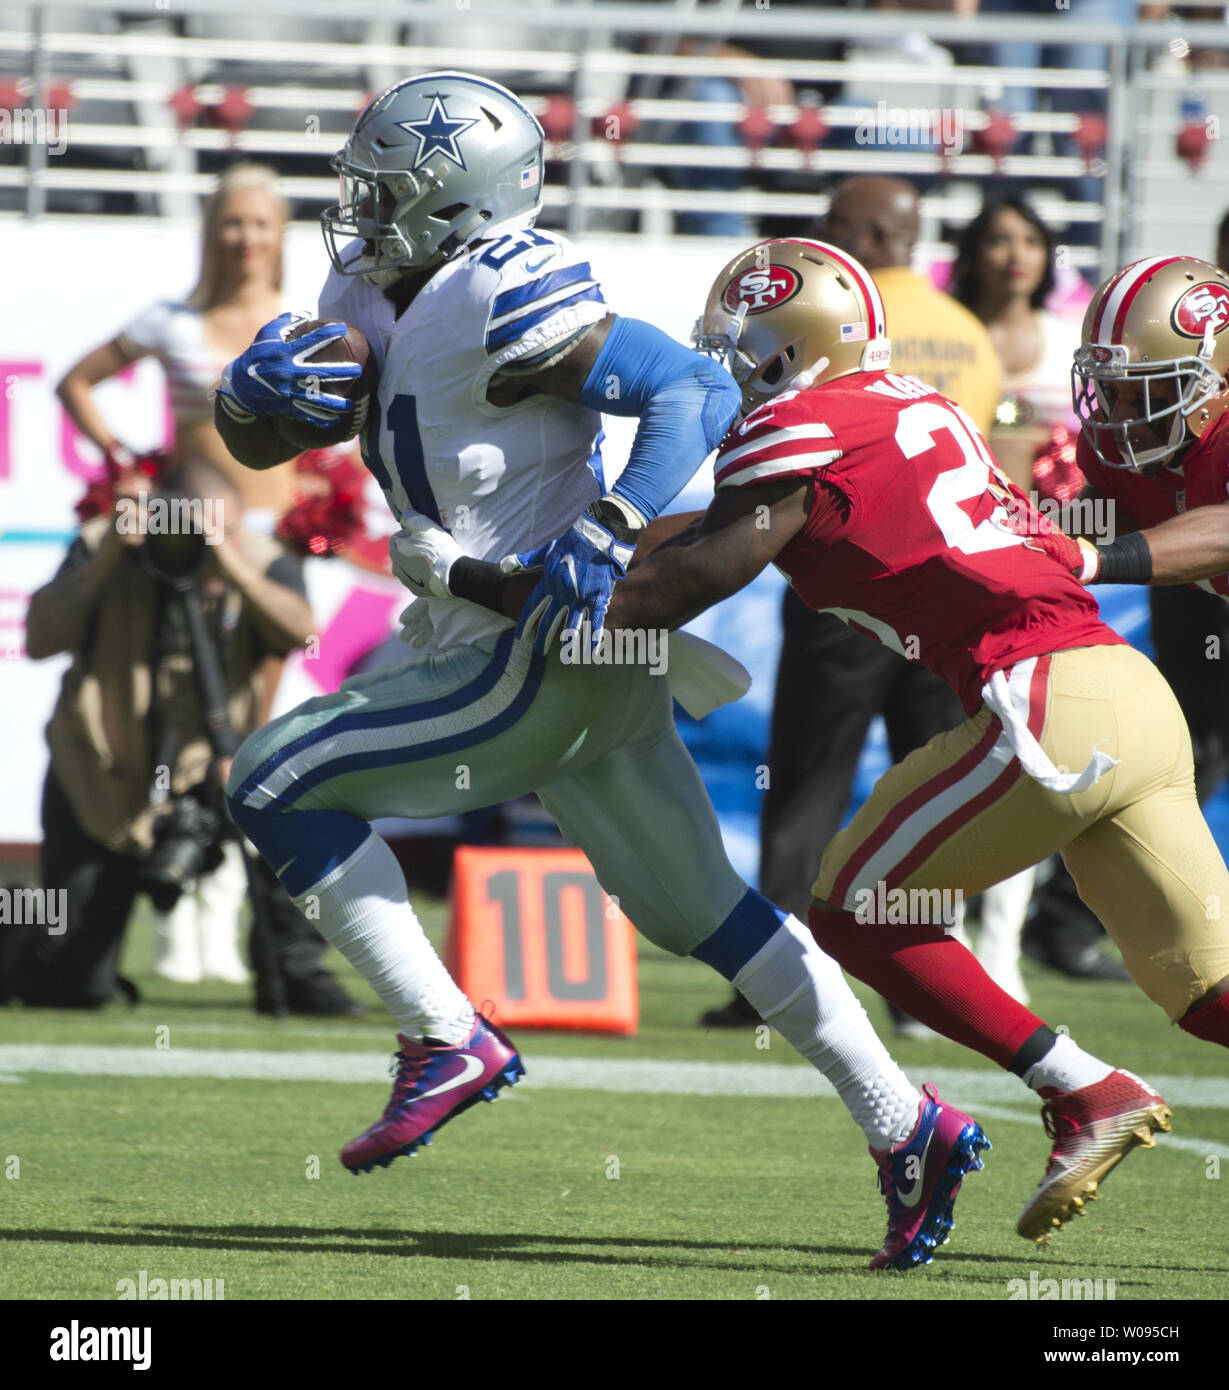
990, 1095
962, 1086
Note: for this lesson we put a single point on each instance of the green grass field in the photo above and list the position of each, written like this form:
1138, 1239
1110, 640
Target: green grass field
561, 1189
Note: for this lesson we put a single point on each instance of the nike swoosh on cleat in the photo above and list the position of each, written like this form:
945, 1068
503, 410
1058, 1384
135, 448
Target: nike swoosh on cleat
473, 1065
915, 1196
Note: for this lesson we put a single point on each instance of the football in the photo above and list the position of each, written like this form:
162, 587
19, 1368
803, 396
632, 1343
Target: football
354, 347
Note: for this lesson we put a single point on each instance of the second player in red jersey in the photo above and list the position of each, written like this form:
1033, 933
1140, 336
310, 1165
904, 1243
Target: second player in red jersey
1151, 388
912, 535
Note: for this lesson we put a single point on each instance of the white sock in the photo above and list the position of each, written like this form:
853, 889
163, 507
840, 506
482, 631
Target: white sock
794, 986
1066, 1067
363, 909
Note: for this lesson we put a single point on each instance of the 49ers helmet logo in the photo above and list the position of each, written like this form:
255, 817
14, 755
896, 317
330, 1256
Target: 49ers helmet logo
762, 288
1201, 306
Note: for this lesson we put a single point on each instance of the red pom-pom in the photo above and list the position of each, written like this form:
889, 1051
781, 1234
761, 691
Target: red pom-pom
1056, 474
119, 463
327, 513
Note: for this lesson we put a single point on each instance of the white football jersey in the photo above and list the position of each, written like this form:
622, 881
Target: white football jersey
502, 480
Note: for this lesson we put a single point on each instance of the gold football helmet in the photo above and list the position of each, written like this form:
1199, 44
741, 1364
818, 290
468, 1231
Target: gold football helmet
787, 314
1150, 372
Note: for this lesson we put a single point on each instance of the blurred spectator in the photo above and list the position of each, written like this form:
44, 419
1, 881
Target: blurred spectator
132, 799
766, 97
1029, 53
877, 220
757, 92
910, 45
1003, 272
1033, 53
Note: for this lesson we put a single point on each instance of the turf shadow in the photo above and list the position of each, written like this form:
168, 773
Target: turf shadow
507, 1246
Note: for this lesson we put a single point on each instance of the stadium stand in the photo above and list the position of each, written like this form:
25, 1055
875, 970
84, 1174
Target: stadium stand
157, 102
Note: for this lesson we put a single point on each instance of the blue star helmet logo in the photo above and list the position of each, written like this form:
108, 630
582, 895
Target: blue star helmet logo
438, 132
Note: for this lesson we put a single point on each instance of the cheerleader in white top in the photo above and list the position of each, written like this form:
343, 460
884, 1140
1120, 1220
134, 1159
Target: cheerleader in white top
239, 288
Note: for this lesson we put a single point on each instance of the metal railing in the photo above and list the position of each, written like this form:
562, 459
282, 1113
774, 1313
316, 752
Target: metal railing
158, 160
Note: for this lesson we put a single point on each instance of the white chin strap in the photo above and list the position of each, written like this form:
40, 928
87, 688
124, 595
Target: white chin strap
801, 380
876, 357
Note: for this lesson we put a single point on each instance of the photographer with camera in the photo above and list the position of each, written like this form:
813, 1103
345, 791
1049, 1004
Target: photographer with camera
168, 607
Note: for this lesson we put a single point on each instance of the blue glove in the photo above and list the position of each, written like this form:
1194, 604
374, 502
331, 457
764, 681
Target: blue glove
276, 377
579, 572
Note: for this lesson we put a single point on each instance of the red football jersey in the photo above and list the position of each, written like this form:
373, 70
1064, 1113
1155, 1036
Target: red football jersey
913, 537
1202, 480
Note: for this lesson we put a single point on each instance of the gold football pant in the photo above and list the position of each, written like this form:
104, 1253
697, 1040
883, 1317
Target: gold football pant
961, 814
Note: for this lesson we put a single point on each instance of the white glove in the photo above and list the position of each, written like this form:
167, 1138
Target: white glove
416, 628
422, 554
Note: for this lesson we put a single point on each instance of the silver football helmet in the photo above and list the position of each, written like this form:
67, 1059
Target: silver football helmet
433, 163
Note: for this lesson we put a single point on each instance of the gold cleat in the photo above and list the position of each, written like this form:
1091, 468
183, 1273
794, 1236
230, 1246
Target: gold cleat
1093, 1130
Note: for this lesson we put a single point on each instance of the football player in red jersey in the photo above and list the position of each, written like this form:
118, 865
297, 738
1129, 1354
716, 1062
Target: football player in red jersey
1151, 391
880, 501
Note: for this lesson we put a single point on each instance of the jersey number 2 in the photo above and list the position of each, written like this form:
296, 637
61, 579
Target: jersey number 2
916, 428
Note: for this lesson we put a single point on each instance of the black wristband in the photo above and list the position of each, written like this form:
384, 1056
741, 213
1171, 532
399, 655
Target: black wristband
480, 581
1128, 560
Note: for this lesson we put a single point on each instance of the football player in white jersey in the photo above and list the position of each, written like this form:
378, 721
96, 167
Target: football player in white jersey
497, 354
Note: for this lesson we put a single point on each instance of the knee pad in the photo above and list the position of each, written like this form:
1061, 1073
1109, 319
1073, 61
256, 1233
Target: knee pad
301, 847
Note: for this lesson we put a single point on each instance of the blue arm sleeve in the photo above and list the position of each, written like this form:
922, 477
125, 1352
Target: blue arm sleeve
685, 402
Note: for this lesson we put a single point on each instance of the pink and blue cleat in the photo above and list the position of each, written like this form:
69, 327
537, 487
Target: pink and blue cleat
432, 1085
920, 1178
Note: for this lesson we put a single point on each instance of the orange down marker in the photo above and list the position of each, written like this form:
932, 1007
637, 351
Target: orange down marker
532, 932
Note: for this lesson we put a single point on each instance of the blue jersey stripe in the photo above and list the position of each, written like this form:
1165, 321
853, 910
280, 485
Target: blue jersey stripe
434, 748
369, 447
382, 718
409, 458
538, 289
510, 332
